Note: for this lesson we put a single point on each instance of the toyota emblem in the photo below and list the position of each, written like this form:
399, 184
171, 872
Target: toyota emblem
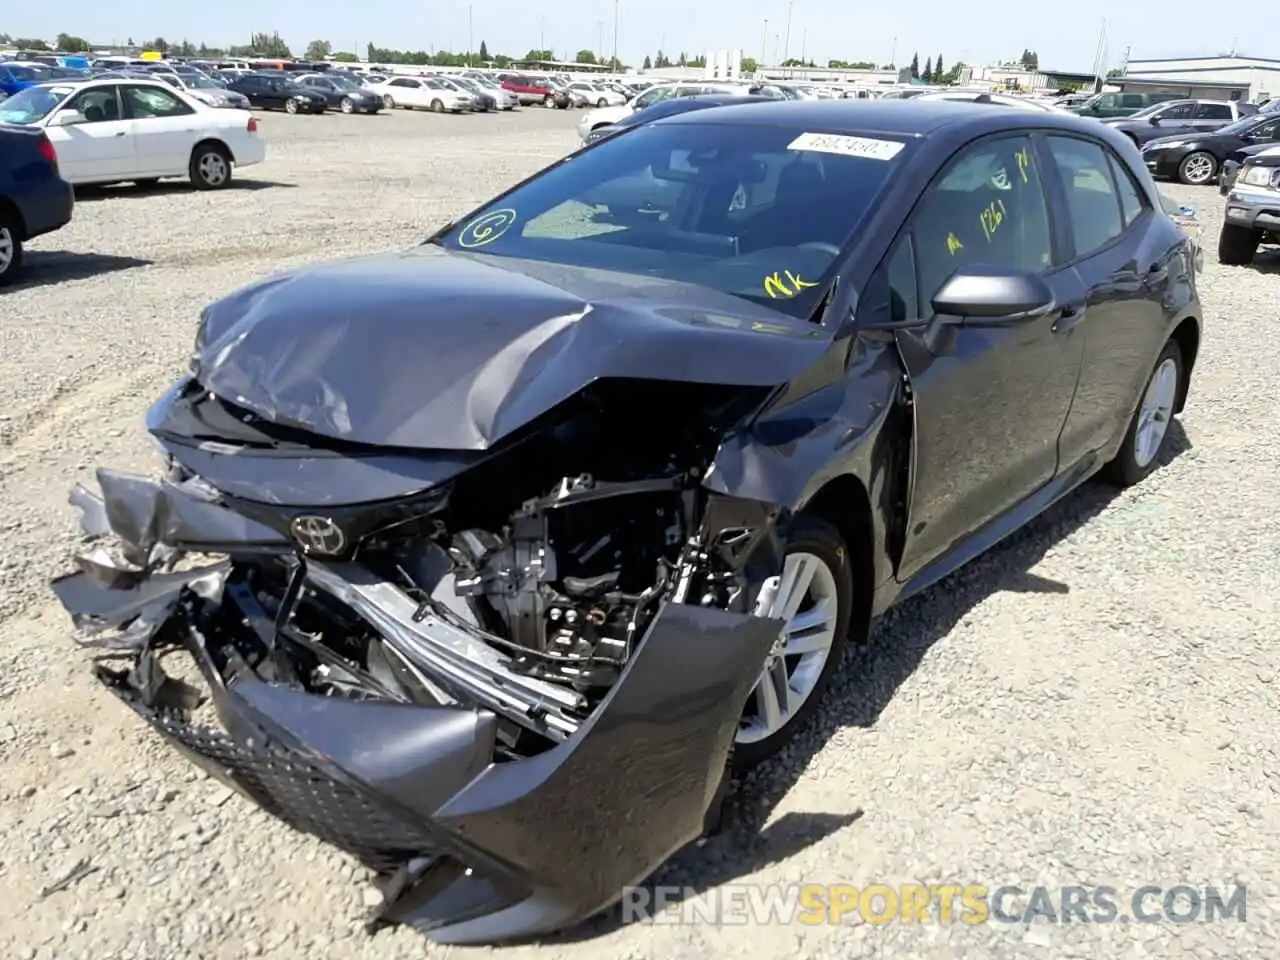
318, 535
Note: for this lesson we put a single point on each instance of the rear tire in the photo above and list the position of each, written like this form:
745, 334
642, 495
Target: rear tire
825, 552
291, 106
10, 248
347, 106
210, 167
1136, 459
1237, 245
388, 103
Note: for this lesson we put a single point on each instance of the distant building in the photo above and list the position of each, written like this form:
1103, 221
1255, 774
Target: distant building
1248, 79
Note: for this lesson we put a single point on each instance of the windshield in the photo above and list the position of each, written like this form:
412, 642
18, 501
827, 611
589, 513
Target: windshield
758, 212
1243, 125
201, 82
343, 83
32, 104
27, 71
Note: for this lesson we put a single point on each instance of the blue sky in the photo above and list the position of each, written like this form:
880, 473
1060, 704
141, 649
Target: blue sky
1064, 37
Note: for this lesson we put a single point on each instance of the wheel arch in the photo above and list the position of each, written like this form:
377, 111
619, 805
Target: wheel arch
845, 503
10, 208
1187, 336
214, 142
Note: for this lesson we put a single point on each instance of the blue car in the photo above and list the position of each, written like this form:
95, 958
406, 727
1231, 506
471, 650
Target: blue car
19, 76
34, 199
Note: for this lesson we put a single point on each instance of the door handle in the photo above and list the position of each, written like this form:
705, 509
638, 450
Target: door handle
120, 133
1069, 318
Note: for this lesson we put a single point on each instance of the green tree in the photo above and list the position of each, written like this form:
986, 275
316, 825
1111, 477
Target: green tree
927, 76
70, 44
661, 60
584, 56
318, 50
915, 65
1030, 60
748, 65
938, 75
343, 57
270, 45
648, 64
159, 45
30, 43
484, 52
539, 55
5, 38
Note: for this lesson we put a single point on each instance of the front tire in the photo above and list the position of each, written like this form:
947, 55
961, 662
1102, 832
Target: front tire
816, 600
388, 102
1237, 245
10, 248
210, 167
1148, 431
1198, 168
347, 106
437, 106
291, 106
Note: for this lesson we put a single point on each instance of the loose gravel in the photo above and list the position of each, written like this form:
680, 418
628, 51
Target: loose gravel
1093, 703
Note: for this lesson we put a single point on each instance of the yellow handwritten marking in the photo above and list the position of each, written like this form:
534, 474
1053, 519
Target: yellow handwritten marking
796, 282
953, 244
486, 228
775, 287
991, 218
1024, 162
761, 327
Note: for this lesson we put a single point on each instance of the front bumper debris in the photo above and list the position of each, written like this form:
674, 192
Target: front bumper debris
470, 845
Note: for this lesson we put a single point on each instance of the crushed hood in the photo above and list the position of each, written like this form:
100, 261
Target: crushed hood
436, 350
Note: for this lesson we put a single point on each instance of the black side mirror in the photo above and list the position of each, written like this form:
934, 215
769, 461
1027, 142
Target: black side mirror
985, 296
1155, 121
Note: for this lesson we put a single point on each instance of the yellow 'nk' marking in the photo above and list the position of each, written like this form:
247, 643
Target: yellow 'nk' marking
776, 287
953, 244
1024, 162
991, 218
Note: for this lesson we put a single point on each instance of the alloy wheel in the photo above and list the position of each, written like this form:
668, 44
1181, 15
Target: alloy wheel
1155, 413
808, 601
213, 168
1198, 168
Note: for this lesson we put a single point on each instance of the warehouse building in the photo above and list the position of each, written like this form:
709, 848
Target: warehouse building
1247, 79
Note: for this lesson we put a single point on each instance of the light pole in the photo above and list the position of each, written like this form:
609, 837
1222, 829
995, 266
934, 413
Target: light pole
471, 35
804, 45
613, 64
764, 44
786, 35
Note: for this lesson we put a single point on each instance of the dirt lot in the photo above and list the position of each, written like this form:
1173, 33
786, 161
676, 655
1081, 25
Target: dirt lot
1094, 703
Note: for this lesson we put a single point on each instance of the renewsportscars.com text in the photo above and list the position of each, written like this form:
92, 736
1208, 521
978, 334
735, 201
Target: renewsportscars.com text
973, 904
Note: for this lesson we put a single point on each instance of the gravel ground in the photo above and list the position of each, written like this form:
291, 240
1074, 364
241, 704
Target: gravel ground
1094, 703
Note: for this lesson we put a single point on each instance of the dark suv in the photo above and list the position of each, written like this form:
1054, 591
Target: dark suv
34, 199
1178, 117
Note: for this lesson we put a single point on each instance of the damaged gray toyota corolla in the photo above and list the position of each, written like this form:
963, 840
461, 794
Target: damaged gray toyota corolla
515, 543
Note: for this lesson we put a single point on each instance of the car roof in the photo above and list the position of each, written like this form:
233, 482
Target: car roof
901, 117
142, 80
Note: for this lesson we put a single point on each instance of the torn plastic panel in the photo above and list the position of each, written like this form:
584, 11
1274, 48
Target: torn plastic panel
492, 785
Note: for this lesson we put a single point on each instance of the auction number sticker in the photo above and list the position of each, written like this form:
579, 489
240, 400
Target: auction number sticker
867, 147
486, 228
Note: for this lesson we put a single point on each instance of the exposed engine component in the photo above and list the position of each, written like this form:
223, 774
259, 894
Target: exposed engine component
572, 576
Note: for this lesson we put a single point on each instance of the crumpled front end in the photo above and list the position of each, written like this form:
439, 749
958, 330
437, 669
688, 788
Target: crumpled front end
500, 785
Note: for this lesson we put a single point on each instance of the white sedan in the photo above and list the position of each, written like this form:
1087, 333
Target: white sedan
108, 131
421, 93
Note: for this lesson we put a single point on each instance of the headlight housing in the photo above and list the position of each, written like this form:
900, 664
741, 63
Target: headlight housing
1259, 176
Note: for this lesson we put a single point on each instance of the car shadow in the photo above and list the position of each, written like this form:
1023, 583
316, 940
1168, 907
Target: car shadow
43, 267
1268, 262
169, 187
864, 685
